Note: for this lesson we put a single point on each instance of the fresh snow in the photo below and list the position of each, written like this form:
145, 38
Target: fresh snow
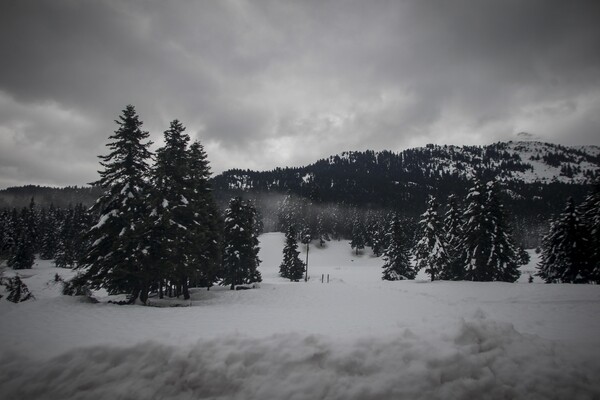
356, 337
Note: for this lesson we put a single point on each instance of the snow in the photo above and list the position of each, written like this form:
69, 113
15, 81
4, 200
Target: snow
357, 337
105, 218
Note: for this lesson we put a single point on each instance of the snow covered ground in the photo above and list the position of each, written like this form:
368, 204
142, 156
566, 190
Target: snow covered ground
356, 337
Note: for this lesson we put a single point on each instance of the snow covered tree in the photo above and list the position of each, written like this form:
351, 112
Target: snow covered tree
67, 235
116, 257
172, 220
48, 233
504, 255
476, 243
10, 232
321, 230
397, 256
590, 214
489, 250
291, 267
358, 234
453, 268
430, 251
17, 290
240, 259
564, 249
23, 252
207, 232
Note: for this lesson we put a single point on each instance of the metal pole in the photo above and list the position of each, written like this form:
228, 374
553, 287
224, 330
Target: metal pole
307, 246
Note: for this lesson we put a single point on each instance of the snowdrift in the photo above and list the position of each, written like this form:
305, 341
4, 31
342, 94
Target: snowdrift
477, 359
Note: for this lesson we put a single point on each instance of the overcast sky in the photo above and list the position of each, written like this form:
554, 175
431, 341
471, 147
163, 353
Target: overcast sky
274, 83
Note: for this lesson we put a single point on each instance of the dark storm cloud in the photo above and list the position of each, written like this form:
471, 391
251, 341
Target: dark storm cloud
271, 83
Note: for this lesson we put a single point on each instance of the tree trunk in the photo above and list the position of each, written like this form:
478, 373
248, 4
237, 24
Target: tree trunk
185, 289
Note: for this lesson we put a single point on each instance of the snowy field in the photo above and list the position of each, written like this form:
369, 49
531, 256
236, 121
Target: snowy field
356, 337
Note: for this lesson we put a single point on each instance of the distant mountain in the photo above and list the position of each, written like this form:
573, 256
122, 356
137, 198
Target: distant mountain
386, 178
537, 177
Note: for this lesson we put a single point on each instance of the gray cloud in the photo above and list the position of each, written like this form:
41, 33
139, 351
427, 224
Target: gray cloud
270, 83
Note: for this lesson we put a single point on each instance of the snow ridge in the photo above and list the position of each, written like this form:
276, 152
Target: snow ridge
479, 359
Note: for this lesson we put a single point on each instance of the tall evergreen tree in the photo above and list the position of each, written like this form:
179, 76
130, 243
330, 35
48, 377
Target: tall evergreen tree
291, 267
490, 253
240, 259
590, 213
23, 253
67, 236
397, 256
453, 223
564, 257
207, 232
430, 251
115, 258
504, 255
172, 220
49, 233
358, 234
476, 243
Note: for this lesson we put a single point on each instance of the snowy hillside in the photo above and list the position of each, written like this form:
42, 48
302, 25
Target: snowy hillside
356, 337
526, 162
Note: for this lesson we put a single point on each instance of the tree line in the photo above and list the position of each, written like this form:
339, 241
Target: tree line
155, 229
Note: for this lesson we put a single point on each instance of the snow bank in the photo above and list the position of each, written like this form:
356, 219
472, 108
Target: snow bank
478, 359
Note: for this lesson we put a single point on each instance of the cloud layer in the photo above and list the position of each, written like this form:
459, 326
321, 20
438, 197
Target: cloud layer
271, 83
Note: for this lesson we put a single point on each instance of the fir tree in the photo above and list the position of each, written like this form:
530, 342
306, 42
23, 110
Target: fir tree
321, 230
17, 290
590, 213
115, 258
397, 257
476, 243
172, 219
504, 255
358, 235
453, 268
490, 253
291, 267
430, 251
240, 259
49, 236
23, 253
564, 257
67, 234
207, 232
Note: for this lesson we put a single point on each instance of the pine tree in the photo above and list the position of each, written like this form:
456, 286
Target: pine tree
17, 290
82, 222
291, 267
172, 220
453, 269
208, 237
564, 257
321, 230
430, 251
23, 254
240, 259
476, 243
65, 251
590, 213
116, 257
504, 254
358, 235
490, 251
397, 257
49, 237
